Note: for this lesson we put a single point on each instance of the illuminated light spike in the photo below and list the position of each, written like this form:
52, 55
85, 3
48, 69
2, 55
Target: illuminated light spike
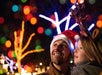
73, 26
67, 22
39, 50
10, 64
1, 20
8, 44
74, 6
20, 49
56, 22
91, 26
80, 1
33, 20
26, 10
15, 8
68, 19
40, 30
47, 18
73, 1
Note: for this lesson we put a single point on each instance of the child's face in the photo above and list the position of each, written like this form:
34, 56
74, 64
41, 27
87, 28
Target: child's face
79, 54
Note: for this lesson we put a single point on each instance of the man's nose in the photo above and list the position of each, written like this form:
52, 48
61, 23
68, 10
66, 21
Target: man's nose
59, 47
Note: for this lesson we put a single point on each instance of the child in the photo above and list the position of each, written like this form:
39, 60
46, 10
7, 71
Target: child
87, 58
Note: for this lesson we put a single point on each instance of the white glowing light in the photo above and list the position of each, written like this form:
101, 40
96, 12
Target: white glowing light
67, 22
10, 63
73, 6
91, 26
73, 26
47, 18
58, 22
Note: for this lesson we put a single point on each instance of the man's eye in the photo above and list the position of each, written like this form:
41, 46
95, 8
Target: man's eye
54, 44
65, 46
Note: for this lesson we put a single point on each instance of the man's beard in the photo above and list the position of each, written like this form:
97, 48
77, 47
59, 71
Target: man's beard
57, 60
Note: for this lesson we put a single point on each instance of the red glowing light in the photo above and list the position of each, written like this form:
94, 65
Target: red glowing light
40, 30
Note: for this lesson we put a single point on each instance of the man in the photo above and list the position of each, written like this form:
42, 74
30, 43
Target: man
60, 53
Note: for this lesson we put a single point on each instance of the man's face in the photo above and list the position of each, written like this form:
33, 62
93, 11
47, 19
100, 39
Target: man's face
59, 52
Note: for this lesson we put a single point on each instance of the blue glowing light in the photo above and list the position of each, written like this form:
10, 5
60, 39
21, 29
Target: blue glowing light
15, 8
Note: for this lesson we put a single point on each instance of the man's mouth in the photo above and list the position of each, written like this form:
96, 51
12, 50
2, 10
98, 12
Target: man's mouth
57, 53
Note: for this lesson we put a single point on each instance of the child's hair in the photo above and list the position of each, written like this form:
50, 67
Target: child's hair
90, 49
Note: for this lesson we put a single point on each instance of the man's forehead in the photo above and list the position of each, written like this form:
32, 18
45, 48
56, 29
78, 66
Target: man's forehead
60, 40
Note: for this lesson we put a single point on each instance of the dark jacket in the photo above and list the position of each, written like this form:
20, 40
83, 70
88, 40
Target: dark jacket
92, 68
53, 71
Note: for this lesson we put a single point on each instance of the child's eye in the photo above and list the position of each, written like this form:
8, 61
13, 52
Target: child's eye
80, 47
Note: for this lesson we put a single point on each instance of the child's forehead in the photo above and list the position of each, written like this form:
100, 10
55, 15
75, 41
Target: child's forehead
78, 43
